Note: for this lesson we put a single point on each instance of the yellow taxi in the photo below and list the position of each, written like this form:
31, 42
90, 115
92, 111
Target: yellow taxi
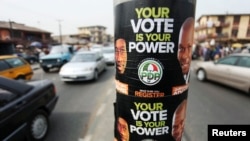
14, 67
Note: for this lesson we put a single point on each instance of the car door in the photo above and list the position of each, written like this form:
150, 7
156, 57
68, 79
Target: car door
100, 61
240, 74
19, 68
222, 69
5, 69
103, 62
11, 120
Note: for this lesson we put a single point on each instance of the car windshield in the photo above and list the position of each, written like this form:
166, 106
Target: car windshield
58, 49
108, 50
83, 58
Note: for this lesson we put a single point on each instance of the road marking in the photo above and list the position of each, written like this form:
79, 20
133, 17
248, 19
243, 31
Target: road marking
101, 109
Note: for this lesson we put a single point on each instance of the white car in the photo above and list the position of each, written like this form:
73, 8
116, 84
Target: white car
84, 65
109, 55
232, 70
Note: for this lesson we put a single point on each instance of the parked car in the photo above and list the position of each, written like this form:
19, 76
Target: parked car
109, 55
57, 57
29, 58
84, 65
25, 108
15, 67
233, 71
245, 48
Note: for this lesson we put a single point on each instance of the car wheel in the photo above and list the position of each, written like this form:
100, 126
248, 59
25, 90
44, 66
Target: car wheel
96, 75
201, 75
38, 126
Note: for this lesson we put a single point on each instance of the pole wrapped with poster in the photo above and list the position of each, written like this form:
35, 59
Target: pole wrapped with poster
153, 47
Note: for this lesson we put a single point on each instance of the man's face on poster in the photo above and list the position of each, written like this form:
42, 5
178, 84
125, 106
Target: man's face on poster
178, 121
122, 127
185, 46
120, 55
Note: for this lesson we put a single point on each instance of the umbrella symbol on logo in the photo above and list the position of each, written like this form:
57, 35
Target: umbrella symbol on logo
150, 67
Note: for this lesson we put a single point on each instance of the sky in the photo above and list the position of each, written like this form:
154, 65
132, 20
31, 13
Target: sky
69, 15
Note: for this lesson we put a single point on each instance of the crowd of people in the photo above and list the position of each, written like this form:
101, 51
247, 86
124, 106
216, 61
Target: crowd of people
210, 51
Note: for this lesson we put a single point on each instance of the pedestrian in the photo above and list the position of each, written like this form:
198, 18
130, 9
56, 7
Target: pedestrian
204, 50
216, 53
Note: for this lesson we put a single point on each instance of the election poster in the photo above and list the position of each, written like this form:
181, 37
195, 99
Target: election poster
153, 42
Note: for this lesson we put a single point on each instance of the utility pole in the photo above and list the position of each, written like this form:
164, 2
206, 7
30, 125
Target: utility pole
60, 31
11, 36
152, 89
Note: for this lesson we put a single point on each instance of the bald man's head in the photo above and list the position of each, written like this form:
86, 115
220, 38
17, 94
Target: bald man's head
185, 44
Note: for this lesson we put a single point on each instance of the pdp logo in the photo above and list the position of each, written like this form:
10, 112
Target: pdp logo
150, 72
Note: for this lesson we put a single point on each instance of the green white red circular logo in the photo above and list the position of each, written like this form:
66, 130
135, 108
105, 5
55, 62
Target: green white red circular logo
150, 72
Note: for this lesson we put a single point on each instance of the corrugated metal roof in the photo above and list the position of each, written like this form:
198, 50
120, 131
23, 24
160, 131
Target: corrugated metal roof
18, 26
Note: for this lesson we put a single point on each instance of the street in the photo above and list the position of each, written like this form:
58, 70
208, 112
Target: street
211, 103
77, 102
208, 103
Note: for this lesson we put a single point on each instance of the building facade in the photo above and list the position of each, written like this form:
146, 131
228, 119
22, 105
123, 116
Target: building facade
13, 34
228, 28
87, 35
97, 34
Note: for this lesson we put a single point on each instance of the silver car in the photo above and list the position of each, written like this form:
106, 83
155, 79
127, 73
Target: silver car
109, 54
84, 65
233, 71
